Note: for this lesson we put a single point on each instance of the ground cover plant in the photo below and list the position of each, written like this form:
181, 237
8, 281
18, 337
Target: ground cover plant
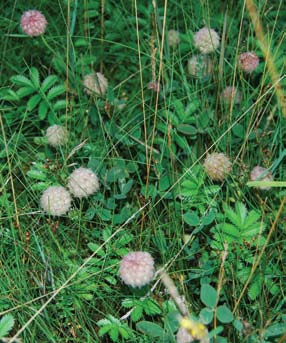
142, 183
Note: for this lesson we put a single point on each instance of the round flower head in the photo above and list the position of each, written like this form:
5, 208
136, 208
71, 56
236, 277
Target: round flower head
33, 23
217, 166
231, 95
56, 201
56, 135
261, 174
200, 66
83, 182
183, 336
137, 268
154, 85
95, 83
248, 61
206, 40
173, 37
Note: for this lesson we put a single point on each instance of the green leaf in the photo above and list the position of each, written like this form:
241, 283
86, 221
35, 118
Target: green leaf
208, 295
56, 91
37, 174
276, 329
114, 333
224, 314
24, 91
33, 102
104, 214
150, 329
209, 217
187, 129
48, 82
191, 218
206, 315
60, 105
35, 77
21, 81
137, 313
43, 110
6, 324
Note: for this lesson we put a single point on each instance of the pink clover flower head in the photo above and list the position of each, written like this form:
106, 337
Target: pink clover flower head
260, 174
154, 85
95, 83
137, 268
248, 61
206, 40
33, 23
217, 166
231, 95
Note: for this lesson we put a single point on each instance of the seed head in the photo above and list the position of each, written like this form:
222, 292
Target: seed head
231, 95
83, 182
260, 174
248, 61
206, 40
33, 23
200, 66
95, 83
57, 135
173, 37
56, 201
217, 166
137, 268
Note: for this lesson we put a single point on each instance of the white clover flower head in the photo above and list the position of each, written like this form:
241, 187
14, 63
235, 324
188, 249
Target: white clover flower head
137, 268
56, 201
173, 38
183, 336
83, 182
248, 61
200, 66
217, 166
259, 173
206, 40
33, 23
57, 135
95, 83
231, 95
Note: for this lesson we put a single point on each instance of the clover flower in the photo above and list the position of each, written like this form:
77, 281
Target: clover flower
200, 66
56, 201
217, 166
95, 83
173, 38
231, 95
33, 23
248, 61
260, 174
206, 40
183, 336
56, 135
137, 268
83, 182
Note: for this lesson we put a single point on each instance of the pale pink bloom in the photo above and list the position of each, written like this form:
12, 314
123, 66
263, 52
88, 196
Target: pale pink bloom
248, 61
137, 268
206, 40
217, 166
260, 174
231, 95
33, 23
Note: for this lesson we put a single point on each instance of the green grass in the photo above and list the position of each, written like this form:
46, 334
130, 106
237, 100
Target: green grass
59, 275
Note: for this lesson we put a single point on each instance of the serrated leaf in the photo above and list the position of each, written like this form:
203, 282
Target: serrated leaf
43, 110
6, 324
137, 313
37, 175
35, 77
60, 105
224, 314
114, 333
151, 307
208, 295
21, 80
33, 102
56, 91
48, 82
24, 91
10, 96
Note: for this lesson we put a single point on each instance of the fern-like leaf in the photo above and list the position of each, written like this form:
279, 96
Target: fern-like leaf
35, 77
6, 324
22, 81
48, 83
56, 91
